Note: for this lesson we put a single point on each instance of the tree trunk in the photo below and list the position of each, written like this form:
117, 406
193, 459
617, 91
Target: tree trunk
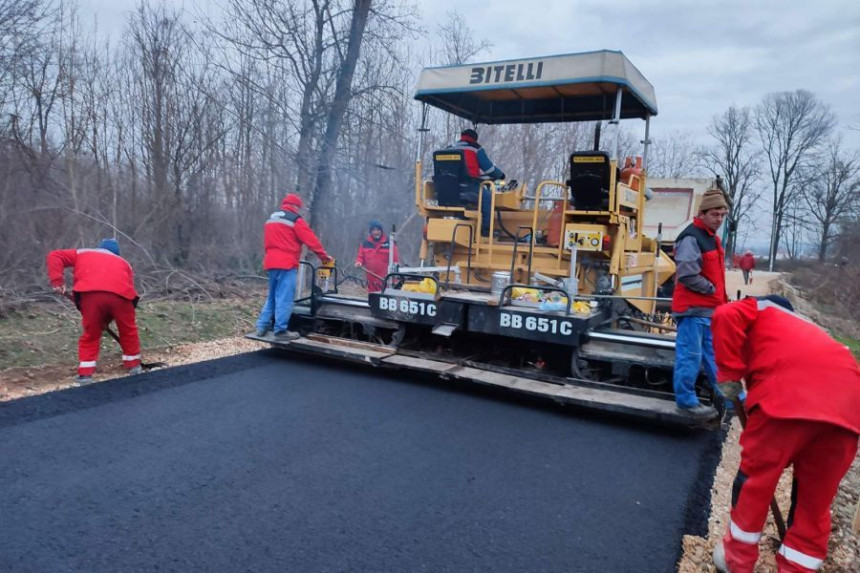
342, 96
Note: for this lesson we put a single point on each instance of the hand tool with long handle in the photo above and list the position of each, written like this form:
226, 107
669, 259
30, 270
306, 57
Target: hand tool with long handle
109, 330
371, 273
774, 507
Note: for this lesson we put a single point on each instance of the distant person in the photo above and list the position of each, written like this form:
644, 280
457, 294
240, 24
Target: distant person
480, 169
803, 403
103, 290
284, 233
700, 287
747, 264
373, 256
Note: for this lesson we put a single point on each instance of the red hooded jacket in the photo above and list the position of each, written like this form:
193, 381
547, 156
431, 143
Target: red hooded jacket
95, 270
373, 255
747, 262
284, 233
793, 369
713, 269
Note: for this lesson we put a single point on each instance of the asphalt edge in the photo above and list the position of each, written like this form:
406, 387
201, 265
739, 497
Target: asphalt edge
697, 509
73, 399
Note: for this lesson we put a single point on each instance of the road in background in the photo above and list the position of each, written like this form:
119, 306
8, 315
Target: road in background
265, 463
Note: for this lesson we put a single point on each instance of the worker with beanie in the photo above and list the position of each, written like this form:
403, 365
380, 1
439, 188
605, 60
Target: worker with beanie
700, 287
373, 255
479, 168
103, 290
284, 234
803, 409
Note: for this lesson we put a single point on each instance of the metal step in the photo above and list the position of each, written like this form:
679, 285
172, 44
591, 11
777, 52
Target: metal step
341, 348
618, 402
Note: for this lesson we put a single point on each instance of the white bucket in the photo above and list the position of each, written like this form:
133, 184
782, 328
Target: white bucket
501, 279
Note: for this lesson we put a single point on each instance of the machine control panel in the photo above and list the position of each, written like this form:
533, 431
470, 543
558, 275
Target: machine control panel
583, 239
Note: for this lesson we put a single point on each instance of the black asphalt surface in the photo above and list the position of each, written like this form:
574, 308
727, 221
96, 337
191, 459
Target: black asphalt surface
263, 462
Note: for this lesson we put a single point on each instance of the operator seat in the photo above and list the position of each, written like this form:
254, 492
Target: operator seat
450, 176
590, 180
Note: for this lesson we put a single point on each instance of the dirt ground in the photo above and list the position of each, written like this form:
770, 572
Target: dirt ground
844, 554
20, 382
844, 551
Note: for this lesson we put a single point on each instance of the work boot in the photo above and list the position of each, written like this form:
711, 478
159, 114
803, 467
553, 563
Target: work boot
720, 558
699, 412
83, 380
261, 332
286, 336
135, 370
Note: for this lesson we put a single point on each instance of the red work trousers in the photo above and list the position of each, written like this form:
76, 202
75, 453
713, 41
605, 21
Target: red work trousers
821, 454
97, 310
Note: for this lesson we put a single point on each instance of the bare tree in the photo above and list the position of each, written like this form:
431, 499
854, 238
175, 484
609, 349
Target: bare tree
342, 96
831, 191
458, 44
672, 156
790, 126
733, 158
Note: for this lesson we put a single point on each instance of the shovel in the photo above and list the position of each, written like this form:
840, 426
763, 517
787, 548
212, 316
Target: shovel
109, 330
373, 274
774, 507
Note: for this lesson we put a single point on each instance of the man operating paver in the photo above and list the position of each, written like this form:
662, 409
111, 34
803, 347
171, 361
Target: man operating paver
803, 402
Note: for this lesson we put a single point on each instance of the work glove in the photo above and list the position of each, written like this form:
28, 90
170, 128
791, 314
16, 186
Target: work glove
731, 389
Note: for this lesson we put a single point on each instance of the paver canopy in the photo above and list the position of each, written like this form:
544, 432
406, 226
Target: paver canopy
571, 87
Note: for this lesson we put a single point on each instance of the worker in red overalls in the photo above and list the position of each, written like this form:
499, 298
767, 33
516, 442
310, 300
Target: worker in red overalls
103, 290
373, 256
803, 403
747, 264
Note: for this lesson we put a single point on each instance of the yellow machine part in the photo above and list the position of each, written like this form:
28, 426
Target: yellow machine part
612, 238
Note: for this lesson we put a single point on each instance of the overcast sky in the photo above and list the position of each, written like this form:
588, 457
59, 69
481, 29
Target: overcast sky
701, 55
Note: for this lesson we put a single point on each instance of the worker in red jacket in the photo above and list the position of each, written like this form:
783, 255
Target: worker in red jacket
803, 402
747, 264
373, 256
103, 290
284, 234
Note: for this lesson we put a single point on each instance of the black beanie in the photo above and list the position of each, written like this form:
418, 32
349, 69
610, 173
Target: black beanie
780, 300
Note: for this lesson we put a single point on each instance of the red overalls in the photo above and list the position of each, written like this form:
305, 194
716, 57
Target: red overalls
803, 398
104, 291
373, 255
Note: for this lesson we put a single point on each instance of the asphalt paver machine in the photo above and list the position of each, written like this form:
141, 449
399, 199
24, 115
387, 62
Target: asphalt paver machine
559, 299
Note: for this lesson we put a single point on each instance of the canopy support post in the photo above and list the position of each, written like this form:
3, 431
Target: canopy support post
646, 143
616, 120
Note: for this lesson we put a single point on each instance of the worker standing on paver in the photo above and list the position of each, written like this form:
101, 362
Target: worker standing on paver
803, 402
700, 287
284, 233
373, 256
103, 290
747, 264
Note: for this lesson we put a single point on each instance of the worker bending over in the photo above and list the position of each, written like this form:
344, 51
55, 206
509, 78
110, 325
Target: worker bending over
803, 402
103, 290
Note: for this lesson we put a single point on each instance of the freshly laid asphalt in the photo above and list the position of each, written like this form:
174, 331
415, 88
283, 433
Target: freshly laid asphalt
263, 462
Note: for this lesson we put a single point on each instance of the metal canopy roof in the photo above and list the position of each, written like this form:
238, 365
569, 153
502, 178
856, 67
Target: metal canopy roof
572, 87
